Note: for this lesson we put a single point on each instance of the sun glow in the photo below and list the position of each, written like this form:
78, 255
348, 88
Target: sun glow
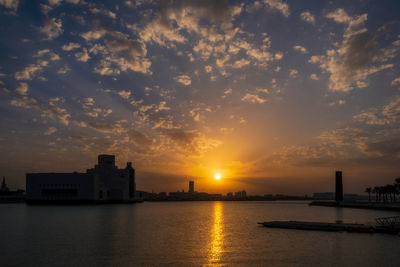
217, 176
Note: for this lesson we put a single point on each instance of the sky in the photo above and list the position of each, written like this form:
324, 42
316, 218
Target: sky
274, 95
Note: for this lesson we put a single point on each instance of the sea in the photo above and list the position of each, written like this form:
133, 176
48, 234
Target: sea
188, 234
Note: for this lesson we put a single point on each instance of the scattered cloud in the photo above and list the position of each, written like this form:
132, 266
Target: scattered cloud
183, 79
11, 4
396, 81
300, 49
240, 63
278, 5
208, 68
103, 12
351, 63
22, 89
52, 28
307, 17
82, 56
70, 46
389, 114
64, 70
253, 98
227, 92
124, 94
50, 130
293, 73
30, 71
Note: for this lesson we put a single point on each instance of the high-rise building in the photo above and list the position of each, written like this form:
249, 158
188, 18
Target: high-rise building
191, 186
339, 187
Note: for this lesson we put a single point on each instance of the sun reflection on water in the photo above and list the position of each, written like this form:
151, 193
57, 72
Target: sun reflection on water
217, 236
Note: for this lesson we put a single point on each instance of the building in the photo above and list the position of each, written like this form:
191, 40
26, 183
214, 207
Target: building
4, 187
191, 187
9, 196
240, 194
339, 187
101, 184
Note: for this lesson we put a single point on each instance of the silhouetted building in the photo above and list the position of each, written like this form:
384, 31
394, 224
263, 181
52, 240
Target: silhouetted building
191, 187
103, 183
339, 187
4, 187
9, 196
240, 194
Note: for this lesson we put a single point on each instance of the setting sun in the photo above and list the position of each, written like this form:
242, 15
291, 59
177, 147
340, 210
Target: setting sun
217, 176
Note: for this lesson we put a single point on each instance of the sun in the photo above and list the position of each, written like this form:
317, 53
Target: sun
217, 176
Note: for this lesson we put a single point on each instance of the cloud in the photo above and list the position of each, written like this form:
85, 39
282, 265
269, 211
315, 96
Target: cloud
227, 92
350, 64
340, 16
124, 94
93, 35
103, 12
253, 98
337, 103
183, 79
240, 63
82, 56
12, 4
191, 142
208, 68
48, 109
392, 110
308, 17
300, 49
22, 89
314, 77
52, 28
54, 2
293, 73
70, 46
50, 131
64, 70
30, 71
52, 56
172, 18
396, 81
389, 114
278, 5
123, 52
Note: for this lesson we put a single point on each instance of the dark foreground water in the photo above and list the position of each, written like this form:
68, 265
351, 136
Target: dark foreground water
187, 234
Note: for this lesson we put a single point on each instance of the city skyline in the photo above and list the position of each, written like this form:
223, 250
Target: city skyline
274, 96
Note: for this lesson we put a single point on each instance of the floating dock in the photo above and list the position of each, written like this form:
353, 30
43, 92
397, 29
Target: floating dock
330, 227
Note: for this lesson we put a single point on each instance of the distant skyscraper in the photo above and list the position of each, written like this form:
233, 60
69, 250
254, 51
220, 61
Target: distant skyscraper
191, 186
339, 186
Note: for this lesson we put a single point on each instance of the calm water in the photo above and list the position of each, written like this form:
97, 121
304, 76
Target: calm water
187, 234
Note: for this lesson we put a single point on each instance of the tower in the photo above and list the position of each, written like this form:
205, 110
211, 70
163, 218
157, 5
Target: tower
132, 185
191, 186
4, 187
339, 187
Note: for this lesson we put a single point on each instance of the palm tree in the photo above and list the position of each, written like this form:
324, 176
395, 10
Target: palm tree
397, 186
377, 193
369, 190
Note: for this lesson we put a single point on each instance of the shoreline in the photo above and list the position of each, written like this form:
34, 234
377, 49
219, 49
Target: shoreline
358, 205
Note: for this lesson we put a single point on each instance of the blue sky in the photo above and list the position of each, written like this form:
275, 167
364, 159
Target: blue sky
274, 95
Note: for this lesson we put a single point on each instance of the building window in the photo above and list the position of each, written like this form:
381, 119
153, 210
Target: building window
101, 194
